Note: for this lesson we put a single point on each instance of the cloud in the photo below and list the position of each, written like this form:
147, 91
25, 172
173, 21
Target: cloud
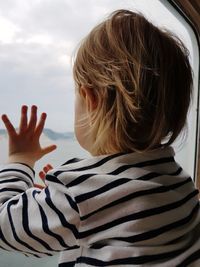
36, 75
37, 39
7, 30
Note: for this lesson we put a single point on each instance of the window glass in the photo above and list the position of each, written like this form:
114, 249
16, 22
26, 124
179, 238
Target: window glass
37, 39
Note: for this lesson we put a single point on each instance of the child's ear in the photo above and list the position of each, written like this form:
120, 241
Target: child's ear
89, 97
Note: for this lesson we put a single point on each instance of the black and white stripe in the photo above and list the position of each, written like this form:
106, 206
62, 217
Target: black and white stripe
127, 209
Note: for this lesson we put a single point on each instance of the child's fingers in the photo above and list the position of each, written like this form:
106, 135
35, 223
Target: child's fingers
49, 166
10, 128
23, 121
45, 169
33, 118
48, 149
42, 175
41, 124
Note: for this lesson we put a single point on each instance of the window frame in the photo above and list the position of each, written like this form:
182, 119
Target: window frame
191, 15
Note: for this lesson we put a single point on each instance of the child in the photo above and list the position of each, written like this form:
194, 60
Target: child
130, 203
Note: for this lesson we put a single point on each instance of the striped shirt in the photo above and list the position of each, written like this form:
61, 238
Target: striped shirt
128, 209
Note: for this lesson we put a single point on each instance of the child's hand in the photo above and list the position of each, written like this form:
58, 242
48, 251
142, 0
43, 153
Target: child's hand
42, 175
24, 145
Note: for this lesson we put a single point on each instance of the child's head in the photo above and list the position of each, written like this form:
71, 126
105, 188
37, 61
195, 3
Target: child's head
141, 81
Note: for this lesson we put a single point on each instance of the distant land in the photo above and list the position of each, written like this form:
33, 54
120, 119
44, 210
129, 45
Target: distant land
52, 135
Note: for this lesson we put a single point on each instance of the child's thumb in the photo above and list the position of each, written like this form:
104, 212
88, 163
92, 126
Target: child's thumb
48, 149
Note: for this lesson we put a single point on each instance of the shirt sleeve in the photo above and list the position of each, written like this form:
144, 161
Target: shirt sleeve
33, 221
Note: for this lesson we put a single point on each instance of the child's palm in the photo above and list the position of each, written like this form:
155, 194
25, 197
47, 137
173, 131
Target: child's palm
25, 144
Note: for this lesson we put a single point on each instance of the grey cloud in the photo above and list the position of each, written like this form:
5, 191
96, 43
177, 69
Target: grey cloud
32, 73
62, 19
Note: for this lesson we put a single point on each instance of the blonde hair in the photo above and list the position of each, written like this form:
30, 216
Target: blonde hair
142, 79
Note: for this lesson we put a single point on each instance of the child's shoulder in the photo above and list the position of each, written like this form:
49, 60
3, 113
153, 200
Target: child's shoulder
132, 165
76, 169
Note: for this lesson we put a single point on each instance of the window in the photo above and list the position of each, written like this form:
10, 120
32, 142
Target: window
37, 39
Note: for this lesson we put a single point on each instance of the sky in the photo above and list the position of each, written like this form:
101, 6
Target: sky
37, 41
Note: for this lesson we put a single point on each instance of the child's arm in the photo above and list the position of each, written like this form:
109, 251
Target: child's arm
24, 145
33, 221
